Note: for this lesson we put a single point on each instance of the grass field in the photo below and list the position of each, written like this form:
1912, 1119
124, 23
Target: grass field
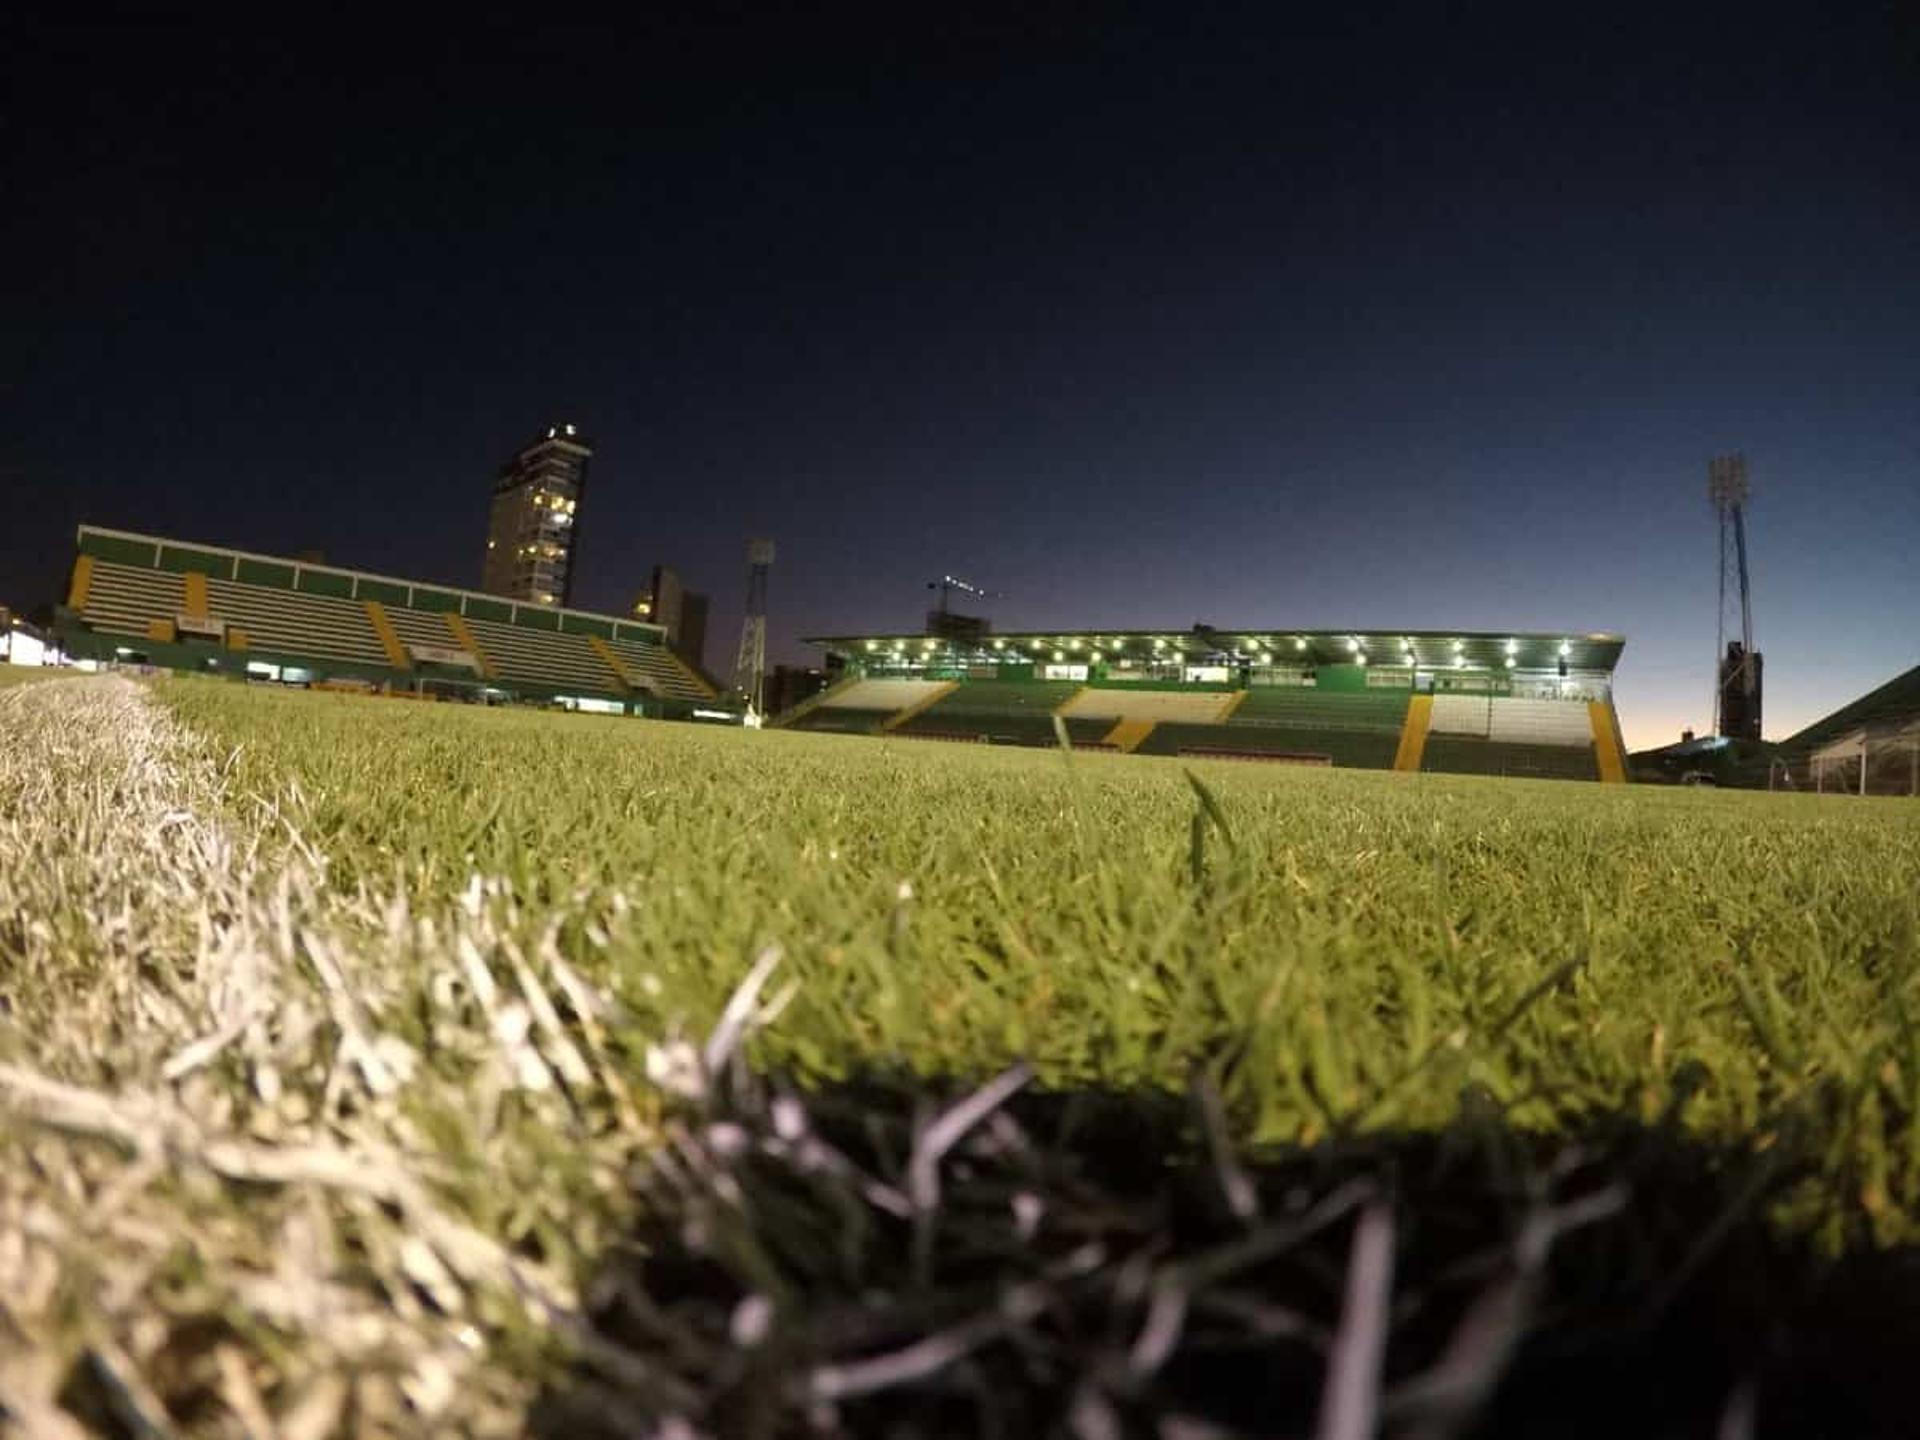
21, 674
1341, 953
1348, 948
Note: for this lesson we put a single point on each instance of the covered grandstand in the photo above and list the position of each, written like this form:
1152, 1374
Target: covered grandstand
1870, 746
203, 608
1521, 704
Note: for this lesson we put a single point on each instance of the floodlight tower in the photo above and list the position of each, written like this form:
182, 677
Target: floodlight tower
1736, 690
750, 669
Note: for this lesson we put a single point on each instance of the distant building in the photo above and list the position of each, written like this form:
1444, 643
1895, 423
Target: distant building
789, 685
534, 522
667, 602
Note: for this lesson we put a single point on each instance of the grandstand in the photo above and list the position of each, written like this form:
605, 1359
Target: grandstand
1522, 704
146, 599
1869, 746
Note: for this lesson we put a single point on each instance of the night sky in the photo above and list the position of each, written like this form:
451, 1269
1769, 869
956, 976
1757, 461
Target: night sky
1143, 317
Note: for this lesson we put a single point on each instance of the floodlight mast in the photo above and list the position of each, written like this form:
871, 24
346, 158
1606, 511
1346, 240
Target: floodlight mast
750, 666
1734, 670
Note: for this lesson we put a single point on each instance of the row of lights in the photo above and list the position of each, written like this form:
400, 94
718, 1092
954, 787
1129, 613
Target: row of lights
1354, 647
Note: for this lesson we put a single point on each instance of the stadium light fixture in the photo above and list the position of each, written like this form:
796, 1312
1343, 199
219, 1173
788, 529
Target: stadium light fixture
1073, 644
999, 644
871, 644
1059, 655
1266, 657
1299, 642
1513, 648
1565, 649
1459, 662
1458, 646
1511, 662
1353, 644
1361, 658
1093, 657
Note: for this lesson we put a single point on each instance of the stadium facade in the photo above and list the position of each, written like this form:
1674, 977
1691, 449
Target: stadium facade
187, 606
1524, 704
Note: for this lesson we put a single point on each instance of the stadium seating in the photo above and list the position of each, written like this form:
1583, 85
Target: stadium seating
865, 705
1008, 712
1012, 729
1461, 715
545, 658
288, 623
1121, 702
1513, 721
123, 601
658, 667
145, 594
1304, 707
1004, 697
1370, 749
1541, 722
1460, 755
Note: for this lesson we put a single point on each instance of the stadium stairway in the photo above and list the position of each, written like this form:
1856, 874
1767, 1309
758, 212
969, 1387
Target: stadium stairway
660, 670
1004, 711
548, 659
193, 595
623, 677
864, 706
788, 719
427, 627
1413, 734
1608, 752
389, 637
464, 637
900, 717
1126, 737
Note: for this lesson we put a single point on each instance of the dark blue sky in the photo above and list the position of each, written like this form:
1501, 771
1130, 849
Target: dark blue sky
1138, 315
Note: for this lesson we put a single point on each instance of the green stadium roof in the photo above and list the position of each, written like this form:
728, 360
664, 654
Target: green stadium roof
1894, 704
89, 538
1584, 651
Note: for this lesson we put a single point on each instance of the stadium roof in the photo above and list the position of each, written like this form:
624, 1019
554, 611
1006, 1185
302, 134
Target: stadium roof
162, 547
1891, 706
1589, 651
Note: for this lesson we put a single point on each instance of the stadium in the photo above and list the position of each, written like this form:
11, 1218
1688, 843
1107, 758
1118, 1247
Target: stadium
176, 605
1466, 703
546, 1047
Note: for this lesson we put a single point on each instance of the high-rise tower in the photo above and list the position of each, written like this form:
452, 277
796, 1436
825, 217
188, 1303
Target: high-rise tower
534, 523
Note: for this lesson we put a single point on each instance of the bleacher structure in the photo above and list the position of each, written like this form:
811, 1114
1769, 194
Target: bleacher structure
149, 600
1522, 704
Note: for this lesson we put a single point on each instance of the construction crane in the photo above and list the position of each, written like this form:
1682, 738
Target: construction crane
950, 624
1737, 665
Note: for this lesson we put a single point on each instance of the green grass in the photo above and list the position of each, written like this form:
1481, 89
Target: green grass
1344, 950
